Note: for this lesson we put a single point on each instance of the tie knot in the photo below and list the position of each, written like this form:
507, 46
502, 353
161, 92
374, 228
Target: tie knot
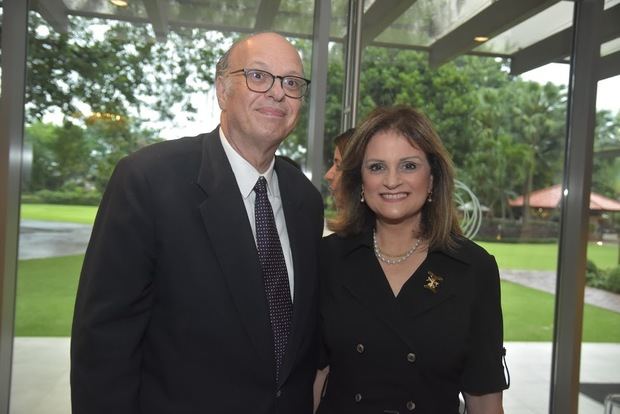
261, 185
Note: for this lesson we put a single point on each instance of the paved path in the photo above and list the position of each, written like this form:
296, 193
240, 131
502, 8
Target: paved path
39, 239
40, 383
546, 280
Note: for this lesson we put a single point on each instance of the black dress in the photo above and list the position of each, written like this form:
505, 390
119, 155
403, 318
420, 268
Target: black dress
414, 352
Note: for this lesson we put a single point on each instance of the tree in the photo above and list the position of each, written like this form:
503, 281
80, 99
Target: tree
115, 68
538, 113
606, 163
498, 163
71, 157
111, 140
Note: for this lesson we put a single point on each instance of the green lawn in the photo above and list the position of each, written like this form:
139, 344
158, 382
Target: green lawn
533, 256
58, 212
528, 316
46, 287
46, 294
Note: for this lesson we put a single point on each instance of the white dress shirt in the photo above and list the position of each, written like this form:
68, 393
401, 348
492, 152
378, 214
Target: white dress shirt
246, 176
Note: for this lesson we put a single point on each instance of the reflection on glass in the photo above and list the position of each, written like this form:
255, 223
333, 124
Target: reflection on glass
428, 20
106, 7
546, 23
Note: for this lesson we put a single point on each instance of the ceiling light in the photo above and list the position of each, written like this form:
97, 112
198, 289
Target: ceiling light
481, 39
120, 3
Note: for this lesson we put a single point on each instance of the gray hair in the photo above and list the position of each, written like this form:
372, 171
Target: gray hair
221, 67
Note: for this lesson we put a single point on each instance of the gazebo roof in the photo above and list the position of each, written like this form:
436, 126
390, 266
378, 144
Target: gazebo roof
550, 198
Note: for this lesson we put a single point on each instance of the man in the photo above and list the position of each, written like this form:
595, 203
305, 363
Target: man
174, 312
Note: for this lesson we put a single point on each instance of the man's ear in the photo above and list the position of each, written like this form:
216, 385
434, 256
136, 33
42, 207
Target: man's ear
220, 90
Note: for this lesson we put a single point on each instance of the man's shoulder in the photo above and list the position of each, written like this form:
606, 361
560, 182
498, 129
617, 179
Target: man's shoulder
297, 179
182, 149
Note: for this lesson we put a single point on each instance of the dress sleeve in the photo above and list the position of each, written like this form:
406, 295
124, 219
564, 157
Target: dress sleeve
484, 370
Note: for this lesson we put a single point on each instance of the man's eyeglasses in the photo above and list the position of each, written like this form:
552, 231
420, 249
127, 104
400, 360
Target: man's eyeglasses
261, 81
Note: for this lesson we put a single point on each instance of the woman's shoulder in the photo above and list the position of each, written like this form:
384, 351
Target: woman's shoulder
469, 251
336, 246
332, 244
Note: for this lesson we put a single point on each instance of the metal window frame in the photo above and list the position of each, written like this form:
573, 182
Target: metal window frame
14, 40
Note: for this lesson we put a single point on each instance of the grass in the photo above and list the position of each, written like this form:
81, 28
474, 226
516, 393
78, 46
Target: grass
528, 316
58, 212
46, 287
46, 295
544, 256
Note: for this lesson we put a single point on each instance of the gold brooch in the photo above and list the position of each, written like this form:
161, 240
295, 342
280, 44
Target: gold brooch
432, 282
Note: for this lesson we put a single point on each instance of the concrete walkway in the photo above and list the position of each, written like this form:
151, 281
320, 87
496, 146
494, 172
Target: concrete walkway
41, 376
39, 239
546, 280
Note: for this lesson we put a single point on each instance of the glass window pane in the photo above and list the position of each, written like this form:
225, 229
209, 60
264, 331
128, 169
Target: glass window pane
106, 89
506, 136
599, 375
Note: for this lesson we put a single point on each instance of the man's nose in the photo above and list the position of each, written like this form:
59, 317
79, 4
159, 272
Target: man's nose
276, 91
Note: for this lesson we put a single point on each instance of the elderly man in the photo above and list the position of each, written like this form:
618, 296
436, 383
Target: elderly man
198, 291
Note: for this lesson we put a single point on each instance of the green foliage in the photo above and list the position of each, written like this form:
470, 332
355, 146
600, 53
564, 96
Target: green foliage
71, 164
506, 136
593, 275
77, 196
612, 280
606, 166
120, 71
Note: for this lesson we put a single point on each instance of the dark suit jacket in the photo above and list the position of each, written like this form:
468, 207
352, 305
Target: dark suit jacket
171, 315
414, 352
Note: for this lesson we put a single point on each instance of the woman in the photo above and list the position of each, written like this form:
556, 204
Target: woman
410, 309
332, 176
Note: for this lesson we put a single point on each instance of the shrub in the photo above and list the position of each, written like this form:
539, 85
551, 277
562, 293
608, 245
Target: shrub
612, 280
75, 196
594, 277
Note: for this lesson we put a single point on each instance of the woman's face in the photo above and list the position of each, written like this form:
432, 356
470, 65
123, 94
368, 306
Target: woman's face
396, 178
332, 176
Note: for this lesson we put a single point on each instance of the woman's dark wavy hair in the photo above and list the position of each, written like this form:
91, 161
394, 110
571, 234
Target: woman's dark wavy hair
439, 219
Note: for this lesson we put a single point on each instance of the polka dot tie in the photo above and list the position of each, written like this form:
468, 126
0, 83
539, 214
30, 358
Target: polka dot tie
274, 271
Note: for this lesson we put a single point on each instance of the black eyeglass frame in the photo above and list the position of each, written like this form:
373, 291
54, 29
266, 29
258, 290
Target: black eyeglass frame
245, 72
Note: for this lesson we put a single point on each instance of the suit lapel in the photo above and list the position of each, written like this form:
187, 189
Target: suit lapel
227, 225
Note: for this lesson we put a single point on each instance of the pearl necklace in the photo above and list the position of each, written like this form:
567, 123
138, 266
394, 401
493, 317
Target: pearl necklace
392, 259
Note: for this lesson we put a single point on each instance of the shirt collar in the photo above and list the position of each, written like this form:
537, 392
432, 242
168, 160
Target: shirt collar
245, 173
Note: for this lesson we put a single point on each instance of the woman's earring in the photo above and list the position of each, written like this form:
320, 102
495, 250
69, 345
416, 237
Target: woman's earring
430, 197
362, 196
